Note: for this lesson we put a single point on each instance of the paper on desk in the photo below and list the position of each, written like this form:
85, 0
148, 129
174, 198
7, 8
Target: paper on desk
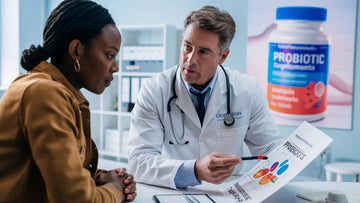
284, 162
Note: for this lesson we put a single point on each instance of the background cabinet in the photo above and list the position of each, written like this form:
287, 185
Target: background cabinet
145, 51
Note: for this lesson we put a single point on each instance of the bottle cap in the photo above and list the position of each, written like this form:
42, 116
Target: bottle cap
301, 13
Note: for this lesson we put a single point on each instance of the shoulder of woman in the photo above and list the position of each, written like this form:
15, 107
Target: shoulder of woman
40, 85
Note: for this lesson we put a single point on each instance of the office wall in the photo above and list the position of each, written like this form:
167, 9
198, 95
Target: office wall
0, 42
125, 12
9, 41
32, 21
140, 12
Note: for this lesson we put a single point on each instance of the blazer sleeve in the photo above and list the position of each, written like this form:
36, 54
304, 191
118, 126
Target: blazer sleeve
50, 121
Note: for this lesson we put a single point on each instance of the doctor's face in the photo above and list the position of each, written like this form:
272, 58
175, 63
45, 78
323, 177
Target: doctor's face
200, 55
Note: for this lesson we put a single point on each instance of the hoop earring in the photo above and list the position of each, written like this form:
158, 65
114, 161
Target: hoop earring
77, 66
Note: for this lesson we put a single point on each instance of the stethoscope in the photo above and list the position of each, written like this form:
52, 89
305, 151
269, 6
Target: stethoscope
228, 120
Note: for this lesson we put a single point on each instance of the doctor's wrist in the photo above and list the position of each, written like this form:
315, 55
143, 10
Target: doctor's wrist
198, 171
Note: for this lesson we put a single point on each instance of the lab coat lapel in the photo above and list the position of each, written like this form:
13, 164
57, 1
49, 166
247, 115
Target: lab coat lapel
217, 99
184, 101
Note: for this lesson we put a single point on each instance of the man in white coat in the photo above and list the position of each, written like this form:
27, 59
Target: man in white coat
190, 122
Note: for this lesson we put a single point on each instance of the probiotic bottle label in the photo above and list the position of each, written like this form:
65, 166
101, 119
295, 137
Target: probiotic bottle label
297, 78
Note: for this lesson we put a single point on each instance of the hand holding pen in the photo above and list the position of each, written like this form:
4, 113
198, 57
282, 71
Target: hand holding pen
216, 167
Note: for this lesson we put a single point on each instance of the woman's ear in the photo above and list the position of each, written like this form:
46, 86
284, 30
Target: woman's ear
75, 49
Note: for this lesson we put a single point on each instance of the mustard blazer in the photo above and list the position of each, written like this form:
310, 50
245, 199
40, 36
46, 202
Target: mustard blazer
46, 151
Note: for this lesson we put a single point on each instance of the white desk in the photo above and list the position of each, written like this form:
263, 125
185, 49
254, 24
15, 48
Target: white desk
285, 194
289, 191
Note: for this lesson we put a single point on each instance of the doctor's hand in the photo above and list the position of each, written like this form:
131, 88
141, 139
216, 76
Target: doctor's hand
215, 167
130, 184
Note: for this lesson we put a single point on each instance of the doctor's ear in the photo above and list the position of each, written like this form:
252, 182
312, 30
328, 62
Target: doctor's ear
224, 55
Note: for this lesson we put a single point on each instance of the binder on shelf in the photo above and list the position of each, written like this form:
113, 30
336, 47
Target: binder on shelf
143, 79
125, 97
112, 140
132, 66
125, 138
134, 90
143, 58
126, 53
159, 53
140, 53
132, 52
146, 52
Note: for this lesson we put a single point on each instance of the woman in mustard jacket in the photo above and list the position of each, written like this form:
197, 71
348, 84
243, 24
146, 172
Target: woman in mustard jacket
46, 150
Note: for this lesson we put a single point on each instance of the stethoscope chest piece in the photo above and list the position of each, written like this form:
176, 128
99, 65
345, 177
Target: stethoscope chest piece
229, 120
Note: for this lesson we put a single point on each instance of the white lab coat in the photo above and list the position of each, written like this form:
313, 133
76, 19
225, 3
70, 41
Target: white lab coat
153, 160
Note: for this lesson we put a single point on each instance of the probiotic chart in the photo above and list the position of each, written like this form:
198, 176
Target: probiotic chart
284, 162
270, 175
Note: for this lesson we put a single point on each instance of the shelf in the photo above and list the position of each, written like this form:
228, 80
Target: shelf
113, 154
138, 74
128, 114
114, 113
110, 164
144, 27
96, 111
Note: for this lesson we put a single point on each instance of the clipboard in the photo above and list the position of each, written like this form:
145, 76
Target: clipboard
183, 197
313, 196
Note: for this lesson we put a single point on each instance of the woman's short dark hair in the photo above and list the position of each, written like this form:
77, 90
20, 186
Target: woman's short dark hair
71, 19
211, 19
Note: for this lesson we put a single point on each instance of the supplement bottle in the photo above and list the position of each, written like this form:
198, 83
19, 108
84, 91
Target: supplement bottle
298, 64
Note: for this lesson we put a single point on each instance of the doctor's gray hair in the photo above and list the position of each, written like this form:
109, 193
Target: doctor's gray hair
211, 19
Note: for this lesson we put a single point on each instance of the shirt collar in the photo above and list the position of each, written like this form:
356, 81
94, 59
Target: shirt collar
209, 87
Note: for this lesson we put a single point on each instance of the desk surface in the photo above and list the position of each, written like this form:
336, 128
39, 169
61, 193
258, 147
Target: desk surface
285, 194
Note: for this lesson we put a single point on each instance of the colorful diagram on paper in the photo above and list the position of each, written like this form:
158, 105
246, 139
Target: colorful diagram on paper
271, 174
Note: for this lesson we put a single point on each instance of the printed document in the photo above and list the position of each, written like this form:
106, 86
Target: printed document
284, 162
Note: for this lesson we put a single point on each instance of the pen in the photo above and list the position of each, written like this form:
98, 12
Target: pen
254, 157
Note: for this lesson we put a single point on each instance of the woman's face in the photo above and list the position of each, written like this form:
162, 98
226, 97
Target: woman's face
99, 60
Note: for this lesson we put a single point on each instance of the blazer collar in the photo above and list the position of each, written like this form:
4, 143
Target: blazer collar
56, 75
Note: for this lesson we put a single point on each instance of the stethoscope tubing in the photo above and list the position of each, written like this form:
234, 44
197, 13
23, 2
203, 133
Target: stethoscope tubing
228, 120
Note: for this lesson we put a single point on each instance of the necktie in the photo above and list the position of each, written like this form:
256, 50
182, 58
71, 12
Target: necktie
200, 108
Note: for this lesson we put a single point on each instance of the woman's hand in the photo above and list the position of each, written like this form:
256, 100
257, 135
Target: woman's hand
130, 184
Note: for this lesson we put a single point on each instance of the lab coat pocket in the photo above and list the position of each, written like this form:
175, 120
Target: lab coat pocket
230, 141
239, 131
